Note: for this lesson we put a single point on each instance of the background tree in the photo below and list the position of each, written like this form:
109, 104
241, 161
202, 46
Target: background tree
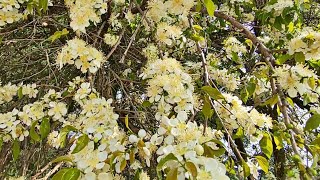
175, 89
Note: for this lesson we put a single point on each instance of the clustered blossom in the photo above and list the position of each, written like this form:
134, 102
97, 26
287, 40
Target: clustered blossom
172, 90
82, 12
278, 6
307, 42
235, 115
297, 79
222, 77
82, 55
166, 33
7, 92
233, 45
9, 11
110, 39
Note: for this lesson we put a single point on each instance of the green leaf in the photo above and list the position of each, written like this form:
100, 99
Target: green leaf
266, 145
197, 37
172, 174
244, 95
312, 82
239, 133
44, 128
67, 174
197, 27
272, 101
263, 163
246, 169
33, 134
20, 95
206, 109
290, 102
230, 166
146, 104
282, 59
164, 160
192, 169
126, 121
137, 175
278, 23
299, 57
278, 140
209, 152
16, 149
58, 34
198, 6
43, 4
63, 134
313, 122
210, 7
251, 87
62, 158
123, 165
213, 92
81, 143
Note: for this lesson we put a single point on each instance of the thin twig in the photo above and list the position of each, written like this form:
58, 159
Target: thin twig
133, 37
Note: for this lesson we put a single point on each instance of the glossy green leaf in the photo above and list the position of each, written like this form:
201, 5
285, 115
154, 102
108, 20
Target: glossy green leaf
44, 128
272, 101
299, 57
62, 158
43, 4
266, 145
290, 102
206, 109
282, 59
146, 104
20, 95
263, 163
33, 134
63, 134
58, 34
213, 92
16, 149
67, 174
246, 169
313, 122
164, 160
192, 169
82, 142
172, 174
210, 7
239, 133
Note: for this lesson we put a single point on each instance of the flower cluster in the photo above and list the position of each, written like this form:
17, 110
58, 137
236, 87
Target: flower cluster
222, 77
233, 45
82, 55
151, 52
297, 79
110, 39
236, 115
160, 9
166, 77
278, 6
307, 42
171, 89
166, 33
9, 11
83, 12
7, 92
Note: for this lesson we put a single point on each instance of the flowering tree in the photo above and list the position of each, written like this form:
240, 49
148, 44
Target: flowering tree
159, 89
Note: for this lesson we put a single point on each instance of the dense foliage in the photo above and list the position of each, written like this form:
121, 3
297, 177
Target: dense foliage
159, 89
